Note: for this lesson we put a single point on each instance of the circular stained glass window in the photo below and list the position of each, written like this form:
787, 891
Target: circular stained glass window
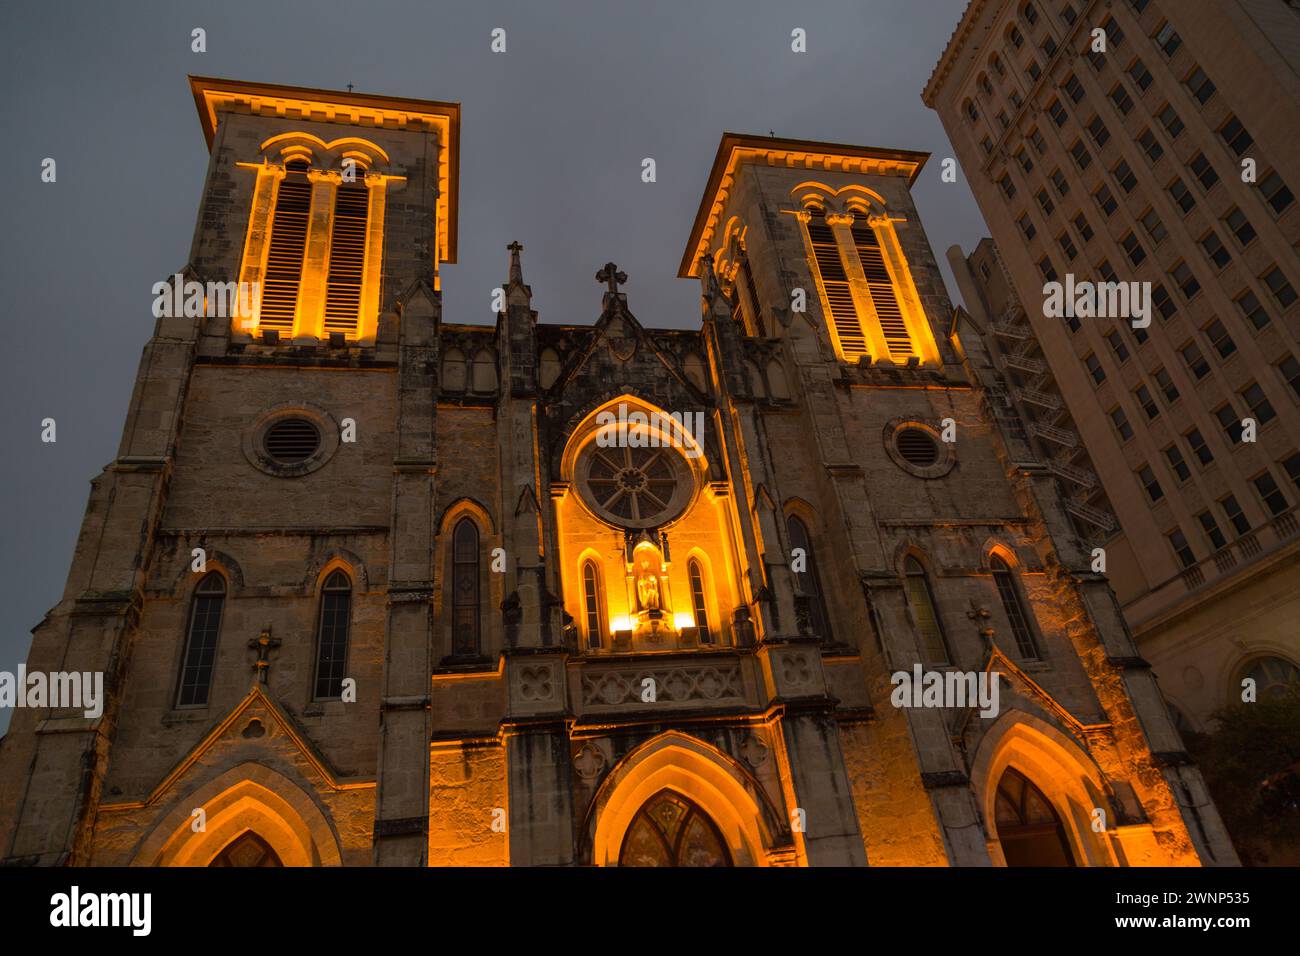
634, 487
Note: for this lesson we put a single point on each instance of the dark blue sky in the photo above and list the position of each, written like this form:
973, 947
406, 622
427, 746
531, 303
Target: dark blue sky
553, 134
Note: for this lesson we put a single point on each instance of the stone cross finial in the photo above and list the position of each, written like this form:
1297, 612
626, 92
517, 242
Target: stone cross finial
610, 275
516, 270
264, 643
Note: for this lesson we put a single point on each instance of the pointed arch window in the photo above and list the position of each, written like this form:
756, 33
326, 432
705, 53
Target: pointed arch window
1014, 606
247, 850
698, 602
671, 830
332, 635
288, 244
591, 604
808, 579
933, 643
1029, 828
465, 610
201, 641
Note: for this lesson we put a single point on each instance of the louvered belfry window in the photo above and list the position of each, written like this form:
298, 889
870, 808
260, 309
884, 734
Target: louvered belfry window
347, 258
835, 283
288, 242
888, 310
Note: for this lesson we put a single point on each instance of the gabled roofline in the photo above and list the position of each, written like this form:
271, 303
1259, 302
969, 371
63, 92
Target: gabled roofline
736, 148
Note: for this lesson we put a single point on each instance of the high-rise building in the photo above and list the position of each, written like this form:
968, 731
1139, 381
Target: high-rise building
368, 585
1151, 141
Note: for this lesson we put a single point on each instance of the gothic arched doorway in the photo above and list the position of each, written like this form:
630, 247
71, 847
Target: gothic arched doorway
670, 830
247, 850
1029, 827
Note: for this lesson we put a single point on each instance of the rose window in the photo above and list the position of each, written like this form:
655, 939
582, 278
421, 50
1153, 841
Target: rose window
634, 487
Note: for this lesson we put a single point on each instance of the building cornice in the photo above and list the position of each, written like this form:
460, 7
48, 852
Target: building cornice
737, 149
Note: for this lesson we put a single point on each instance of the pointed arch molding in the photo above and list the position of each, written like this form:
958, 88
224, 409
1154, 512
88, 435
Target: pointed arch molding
186, 580
1055, 764
341, 559
713, 781
466, 506
247, 797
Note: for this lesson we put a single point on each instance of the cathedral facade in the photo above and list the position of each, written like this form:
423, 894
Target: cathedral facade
369, 586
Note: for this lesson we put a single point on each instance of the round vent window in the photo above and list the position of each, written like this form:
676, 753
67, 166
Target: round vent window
917, 447
291, 440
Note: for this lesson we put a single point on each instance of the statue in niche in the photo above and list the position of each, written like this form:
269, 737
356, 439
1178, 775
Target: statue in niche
647, 586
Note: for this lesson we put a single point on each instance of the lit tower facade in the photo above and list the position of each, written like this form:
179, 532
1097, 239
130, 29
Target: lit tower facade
594, 594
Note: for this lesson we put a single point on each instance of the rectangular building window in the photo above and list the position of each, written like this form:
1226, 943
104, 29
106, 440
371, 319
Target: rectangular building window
1117, 346
1232, 511
1215, 250
1211, 529
1081, 224
1196, 363
1182, 275
1269, 493
1167, 38
1220, 339
1165, 382
1236, 136
1196, 441
1178, 541
1277, 284
1251, 309
1182, 196
1163, 301
1240, 227
1229, 422
1119, 96
1275, 192
1150, 145
1120, 421
1203, 170
1150, 483
1199, 85
1124, 176
1169, 120
1176, 463
1147, 401
1290, 371
1140, 74
1105, 200
1261, 409
1133, 249
1094, 369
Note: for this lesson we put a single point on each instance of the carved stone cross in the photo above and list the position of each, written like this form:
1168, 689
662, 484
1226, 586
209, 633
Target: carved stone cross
610, 275
264, 643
